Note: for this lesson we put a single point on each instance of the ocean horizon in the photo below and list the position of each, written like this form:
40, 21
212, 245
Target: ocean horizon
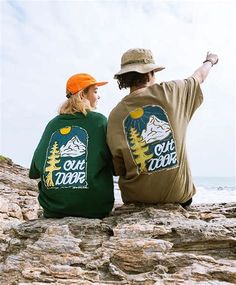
209, 190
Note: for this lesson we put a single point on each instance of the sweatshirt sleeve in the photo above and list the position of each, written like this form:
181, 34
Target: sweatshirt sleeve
34, 171
108, 155
192, 96
186, 95
115, 148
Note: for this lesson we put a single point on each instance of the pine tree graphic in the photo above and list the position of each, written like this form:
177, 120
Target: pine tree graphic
52, 161
139, 149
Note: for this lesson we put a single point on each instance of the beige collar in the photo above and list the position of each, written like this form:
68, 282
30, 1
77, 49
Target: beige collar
137, 91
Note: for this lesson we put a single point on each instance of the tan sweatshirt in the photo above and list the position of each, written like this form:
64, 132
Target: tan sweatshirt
146, 135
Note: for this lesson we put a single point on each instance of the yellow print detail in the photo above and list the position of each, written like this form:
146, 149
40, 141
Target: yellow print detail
53, 159
139, 149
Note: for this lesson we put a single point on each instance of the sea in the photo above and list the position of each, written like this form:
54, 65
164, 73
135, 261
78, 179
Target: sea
209, 190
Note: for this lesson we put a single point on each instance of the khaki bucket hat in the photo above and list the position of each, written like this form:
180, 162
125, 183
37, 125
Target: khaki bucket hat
138, 60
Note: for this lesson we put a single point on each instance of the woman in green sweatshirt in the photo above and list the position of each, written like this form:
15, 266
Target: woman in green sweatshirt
72, 158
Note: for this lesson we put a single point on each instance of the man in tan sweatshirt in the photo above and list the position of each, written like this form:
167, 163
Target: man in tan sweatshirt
147, 129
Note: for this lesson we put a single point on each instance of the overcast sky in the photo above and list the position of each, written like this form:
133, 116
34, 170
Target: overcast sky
45, 42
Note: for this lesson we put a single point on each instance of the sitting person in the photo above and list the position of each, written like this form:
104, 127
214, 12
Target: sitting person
147, 129
72, 159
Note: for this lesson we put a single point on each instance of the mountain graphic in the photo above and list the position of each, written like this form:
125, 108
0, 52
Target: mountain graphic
74, 147
156, 130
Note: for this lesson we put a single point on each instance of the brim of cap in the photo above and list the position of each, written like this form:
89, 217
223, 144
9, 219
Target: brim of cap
140, 68
100, 83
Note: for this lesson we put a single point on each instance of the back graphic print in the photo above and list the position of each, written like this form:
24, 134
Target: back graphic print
66, 159
150, 139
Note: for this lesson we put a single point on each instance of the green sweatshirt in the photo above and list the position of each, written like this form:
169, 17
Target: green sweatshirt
74, 165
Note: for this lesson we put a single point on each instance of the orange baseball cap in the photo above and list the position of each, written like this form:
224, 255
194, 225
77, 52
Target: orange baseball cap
81, 81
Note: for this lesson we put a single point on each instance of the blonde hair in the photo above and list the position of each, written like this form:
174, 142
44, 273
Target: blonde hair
75, 104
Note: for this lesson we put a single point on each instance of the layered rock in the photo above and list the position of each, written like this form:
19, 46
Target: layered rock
137, 244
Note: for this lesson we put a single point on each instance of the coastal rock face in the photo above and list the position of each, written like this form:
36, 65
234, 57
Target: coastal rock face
18, 194
137, 244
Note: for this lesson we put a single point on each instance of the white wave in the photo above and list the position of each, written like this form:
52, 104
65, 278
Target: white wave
203, 195
214, 195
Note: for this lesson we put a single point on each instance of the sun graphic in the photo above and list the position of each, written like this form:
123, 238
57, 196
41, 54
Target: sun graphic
65, 131
137, 113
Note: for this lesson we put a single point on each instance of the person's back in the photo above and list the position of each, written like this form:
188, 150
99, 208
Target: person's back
147, 129
72, 159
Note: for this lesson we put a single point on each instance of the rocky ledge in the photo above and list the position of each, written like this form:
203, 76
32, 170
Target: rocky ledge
137, 244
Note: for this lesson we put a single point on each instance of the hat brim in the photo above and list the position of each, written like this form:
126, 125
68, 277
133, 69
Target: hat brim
140, 68
92, 84
100, 83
